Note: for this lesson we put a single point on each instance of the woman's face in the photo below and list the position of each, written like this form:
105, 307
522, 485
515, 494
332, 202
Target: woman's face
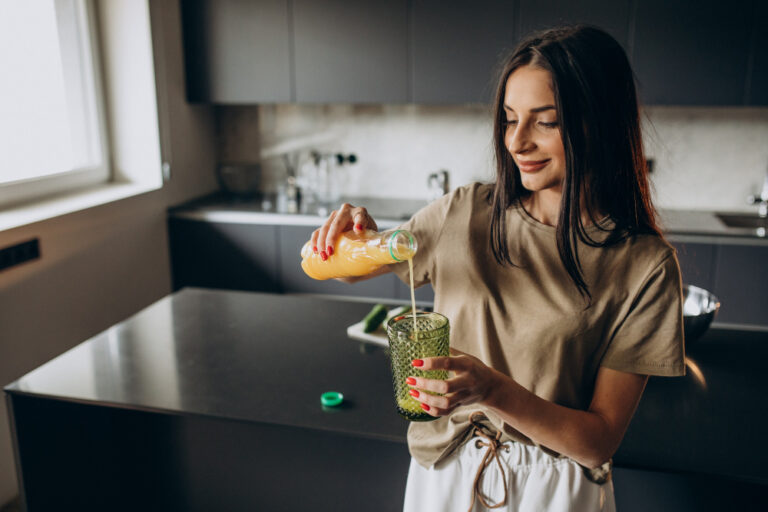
532, 133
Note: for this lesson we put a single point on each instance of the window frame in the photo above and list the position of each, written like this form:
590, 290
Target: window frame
82, 44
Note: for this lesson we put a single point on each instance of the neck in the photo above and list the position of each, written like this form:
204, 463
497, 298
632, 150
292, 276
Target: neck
544, 206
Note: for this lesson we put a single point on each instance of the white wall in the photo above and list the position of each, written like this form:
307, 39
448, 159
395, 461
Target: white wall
103, 264
706, 158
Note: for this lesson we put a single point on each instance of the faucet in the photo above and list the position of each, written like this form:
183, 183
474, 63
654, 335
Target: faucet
761, 200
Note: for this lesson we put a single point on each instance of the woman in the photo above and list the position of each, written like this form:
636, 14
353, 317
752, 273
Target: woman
562, 295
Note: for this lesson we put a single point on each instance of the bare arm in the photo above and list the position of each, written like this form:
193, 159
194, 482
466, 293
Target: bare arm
589, 437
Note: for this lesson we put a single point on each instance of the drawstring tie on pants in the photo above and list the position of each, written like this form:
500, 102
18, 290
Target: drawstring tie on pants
491, 441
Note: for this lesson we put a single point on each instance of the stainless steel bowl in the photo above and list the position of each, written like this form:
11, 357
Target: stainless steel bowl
699, 308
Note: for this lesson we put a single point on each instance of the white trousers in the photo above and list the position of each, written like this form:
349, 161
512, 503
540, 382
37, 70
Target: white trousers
536, 481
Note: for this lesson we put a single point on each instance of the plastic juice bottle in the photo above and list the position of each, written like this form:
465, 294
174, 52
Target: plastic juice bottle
358, 254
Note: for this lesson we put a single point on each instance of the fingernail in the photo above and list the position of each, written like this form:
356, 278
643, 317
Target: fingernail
410, 381
424, 406
330, 250
323, 255
314, 249
413, 392
418, 362
359, 227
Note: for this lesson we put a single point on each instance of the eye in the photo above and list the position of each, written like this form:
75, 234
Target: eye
508, 122
549, 125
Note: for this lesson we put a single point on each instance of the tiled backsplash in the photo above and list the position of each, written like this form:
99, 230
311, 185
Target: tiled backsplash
705, 158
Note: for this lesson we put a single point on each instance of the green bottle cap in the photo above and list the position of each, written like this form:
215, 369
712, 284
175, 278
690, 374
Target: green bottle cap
331, 398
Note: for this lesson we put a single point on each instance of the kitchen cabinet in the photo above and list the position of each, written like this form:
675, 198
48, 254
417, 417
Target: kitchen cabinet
736, 272
237, 51
351, 52
223, 255
697, 263
427, 51
740, 284
454, 60
692, 54
758, 80
611, 16
294, 280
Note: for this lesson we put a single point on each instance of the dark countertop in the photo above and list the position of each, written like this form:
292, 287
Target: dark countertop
678, 225
244, 356
267, 358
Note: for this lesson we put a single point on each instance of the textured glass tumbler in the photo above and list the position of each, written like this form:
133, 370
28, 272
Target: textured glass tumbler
404, 347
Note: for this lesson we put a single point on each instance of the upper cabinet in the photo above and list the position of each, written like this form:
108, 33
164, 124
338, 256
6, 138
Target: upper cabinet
448, 52
455, 47
237, 51
351, 52
758, 78
692, 53
612, 16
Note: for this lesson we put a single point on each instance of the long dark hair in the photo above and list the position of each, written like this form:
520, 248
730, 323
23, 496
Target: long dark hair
599, 123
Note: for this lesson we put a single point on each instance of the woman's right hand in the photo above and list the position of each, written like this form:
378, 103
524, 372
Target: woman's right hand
345, 218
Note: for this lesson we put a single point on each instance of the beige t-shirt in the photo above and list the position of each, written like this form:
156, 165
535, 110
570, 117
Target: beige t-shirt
529, 321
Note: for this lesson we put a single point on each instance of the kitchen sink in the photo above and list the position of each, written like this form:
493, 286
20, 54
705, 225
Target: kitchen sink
743, 220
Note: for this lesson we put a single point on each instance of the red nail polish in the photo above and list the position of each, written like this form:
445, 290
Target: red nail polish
413, 392
314, 249
410, 381
330, 250
323, 256
359, 227
418, 362
424, 406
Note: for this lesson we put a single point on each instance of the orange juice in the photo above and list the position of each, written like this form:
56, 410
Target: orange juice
358, 254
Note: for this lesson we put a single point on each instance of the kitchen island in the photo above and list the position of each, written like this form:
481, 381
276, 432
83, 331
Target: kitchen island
210, 400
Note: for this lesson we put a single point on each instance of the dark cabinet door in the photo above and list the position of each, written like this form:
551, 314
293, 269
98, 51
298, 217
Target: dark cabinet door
692, 53
742, 284
612, 16
758, 80
223, 255
294, 280
237, 51
351, 51
697, 263
455, 49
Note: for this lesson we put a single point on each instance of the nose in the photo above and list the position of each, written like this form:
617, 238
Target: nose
518, 139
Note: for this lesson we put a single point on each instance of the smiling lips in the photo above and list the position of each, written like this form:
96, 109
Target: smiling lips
532, 165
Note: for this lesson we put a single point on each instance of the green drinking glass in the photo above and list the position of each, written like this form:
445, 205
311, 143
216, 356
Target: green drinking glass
431, 340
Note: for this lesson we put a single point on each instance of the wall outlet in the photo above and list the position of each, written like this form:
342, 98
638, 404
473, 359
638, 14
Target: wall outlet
19, 253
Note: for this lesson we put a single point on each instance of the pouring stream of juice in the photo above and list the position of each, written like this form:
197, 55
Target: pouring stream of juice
413, 301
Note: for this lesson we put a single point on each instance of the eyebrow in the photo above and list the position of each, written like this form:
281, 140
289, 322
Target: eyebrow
533, 110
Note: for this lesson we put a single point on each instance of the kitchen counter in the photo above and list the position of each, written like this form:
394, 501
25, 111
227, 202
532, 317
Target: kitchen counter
197, 395
679, 225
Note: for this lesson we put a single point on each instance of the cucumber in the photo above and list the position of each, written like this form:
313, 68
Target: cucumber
373, 320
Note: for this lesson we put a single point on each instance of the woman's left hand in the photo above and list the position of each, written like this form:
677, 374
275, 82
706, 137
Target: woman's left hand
472, 383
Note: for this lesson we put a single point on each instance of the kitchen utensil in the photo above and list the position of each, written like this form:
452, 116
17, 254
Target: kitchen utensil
699, 308
432, 340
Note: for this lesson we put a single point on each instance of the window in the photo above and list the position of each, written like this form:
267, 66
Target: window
52, 127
